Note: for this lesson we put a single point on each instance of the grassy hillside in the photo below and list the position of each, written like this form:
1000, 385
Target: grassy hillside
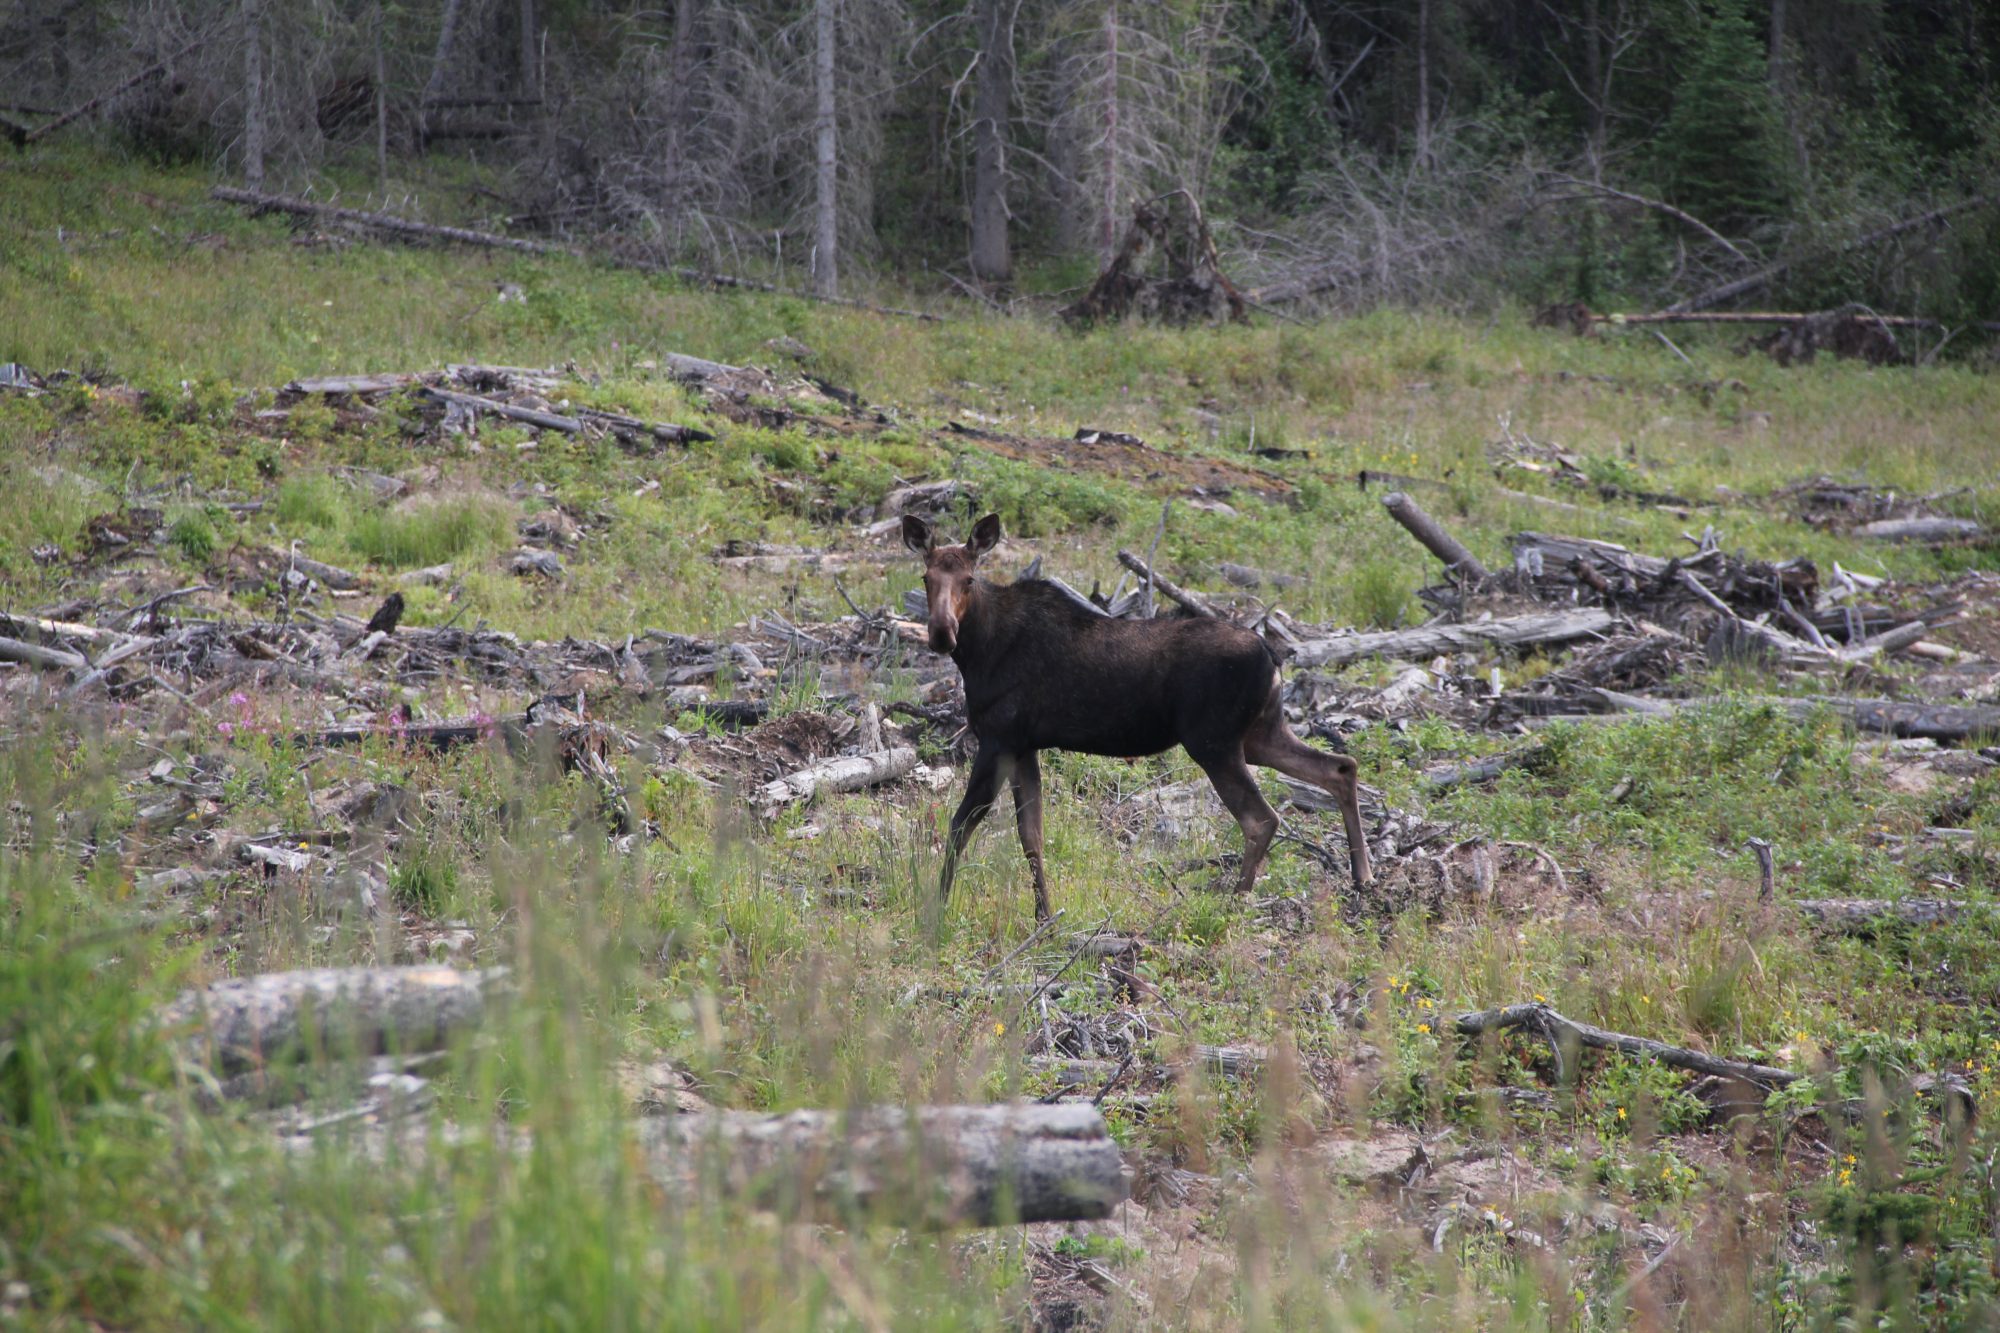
1374, 1170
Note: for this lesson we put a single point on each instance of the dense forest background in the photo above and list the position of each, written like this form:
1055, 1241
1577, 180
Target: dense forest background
1622, 153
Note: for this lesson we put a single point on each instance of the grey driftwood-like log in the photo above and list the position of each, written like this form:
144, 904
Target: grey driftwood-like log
331, 384
34, 654
332, 576
1432, 534
1173, 593
245, 1022
526, 415
847, 773
1922, 530
1561, 1032
1430, 640
936, 1166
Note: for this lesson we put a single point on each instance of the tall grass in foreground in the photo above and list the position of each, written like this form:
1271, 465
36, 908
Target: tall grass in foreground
133, 1203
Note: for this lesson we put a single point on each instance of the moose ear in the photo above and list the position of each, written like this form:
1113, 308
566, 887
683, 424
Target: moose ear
918, 534
985, 536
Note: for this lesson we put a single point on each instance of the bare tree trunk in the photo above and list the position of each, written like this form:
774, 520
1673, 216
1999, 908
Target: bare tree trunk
1108, 223
253, 94
826, 228
1423, 83
991, 259
381, 105
531, 75
440, 65
1593, 79
682, 72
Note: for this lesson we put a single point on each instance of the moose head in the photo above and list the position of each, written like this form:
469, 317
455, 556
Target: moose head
948, 573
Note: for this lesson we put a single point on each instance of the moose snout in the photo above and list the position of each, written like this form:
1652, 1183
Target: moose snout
944, 636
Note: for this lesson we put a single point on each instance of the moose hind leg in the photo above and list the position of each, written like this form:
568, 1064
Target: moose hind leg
980, 789
1028, 820
1271, 744
1254, 815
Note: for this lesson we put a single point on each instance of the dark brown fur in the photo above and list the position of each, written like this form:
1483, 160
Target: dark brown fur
1042, 673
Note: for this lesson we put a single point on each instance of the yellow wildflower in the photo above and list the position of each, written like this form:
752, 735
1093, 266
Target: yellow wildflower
999, 1029
1423, 1027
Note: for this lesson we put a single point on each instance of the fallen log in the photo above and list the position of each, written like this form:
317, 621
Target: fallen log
932, 1167
281, 203
1862, 916
23, 137
1562, 1033
246, 1022
332, 576
1172, 592
334, 384
526, 415
1764, 276
847, 773
1431, 640
33, 654
1922, 530
1483, 770
1432, 534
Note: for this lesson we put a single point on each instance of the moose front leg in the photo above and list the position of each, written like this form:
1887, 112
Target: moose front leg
980, 789
1028, 819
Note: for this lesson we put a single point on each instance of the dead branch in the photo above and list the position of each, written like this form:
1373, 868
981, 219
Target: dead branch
1562, 1032
1174, 593
1432, 534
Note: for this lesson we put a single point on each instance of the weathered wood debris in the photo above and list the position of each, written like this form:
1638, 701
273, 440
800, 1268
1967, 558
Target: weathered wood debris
926, 1166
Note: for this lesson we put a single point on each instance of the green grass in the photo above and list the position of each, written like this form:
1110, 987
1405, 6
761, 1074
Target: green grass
778, 970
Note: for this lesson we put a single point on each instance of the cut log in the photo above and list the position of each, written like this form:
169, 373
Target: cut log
246, 1022
1561, 1033
1922, 530
359, 384
1433, 536
936, 1166
1178, 595
1430, 640
848, 773
331, 576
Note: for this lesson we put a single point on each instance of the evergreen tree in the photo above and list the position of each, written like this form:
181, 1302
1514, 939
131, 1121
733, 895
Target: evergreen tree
1721, 152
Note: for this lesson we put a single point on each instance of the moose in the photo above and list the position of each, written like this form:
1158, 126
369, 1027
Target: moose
1043, 672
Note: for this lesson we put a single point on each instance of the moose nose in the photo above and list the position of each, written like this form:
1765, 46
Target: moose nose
943, 638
